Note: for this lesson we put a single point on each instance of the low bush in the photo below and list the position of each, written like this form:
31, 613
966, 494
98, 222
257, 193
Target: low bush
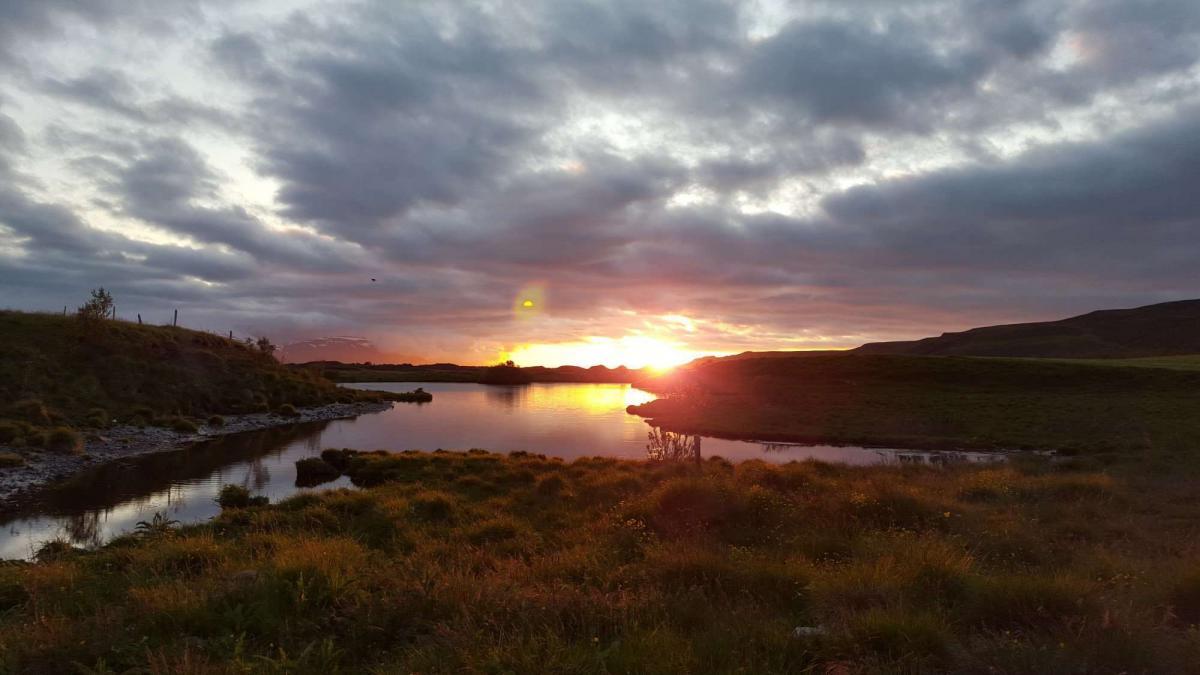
312, 471
1013, 601
53, 550
1185, 598
10, 459
550, 486
9, 431
216, 421
431, 506
64, 440
31, 410
98, 418
287, 410
493, 530
183, 425
900, 636
339, 459
237, 497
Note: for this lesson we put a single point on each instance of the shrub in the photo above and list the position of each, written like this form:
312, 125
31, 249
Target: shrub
10, 459
12, 594
550, 486
688, 504
238, 497
1185, 598
312, 471
475, 487
287, 410
184, 426
99, 306
9, 432
890, 507
64, 440
216, 421
31, 410
898, 635
98, 417
158, 526
339, 459
431, 505
55, 549
1014, 601
496, 529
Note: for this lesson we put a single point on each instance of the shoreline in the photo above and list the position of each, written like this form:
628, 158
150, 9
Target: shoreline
18, 484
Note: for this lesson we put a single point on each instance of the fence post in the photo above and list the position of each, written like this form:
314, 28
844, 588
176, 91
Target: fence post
175, 321
139, 319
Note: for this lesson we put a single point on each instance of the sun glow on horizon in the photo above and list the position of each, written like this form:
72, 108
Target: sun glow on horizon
632, 351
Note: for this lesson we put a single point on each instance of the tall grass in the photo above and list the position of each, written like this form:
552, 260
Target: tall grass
475, 562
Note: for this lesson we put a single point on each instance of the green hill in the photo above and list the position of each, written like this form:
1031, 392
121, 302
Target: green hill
61, 370
1165, 329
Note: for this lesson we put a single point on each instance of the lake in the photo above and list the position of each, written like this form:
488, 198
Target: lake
561, 420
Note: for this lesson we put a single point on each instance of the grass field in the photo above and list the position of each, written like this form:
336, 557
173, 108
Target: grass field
495, 564
937, 402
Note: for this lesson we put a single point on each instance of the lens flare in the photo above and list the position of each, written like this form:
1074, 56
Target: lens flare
529, 302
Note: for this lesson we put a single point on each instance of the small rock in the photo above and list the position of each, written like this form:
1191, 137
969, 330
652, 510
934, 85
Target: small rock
808, 631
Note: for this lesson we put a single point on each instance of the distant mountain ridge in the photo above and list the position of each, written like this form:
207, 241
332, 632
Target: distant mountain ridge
1164, 329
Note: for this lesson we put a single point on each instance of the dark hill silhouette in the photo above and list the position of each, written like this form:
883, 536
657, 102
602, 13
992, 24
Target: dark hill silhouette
1165, 329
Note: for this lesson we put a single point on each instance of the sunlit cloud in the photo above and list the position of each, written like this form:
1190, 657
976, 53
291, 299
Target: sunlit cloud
633, 351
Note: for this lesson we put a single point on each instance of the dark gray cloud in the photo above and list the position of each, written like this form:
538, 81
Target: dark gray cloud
850, 170
835, 72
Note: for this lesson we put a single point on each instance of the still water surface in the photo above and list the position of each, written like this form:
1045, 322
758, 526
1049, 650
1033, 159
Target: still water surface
561, 420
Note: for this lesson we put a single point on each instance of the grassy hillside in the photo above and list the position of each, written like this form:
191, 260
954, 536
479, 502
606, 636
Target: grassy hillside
935, 402
481, 563
60, 370
1165, 329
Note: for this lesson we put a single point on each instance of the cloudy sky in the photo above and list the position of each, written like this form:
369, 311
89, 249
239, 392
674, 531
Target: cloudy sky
652, 177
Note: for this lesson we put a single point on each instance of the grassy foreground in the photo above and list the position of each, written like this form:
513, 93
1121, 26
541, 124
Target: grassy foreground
936, 402
476, 562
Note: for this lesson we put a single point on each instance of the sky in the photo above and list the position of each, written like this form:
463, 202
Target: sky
599, 182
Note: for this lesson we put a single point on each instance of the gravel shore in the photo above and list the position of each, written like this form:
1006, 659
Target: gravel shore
42, 468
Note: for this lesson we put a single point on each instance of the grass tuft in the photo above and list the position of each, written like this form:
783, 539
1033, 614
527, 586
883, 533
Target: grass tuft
312, 471
9, 460
64, 440
237, 497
